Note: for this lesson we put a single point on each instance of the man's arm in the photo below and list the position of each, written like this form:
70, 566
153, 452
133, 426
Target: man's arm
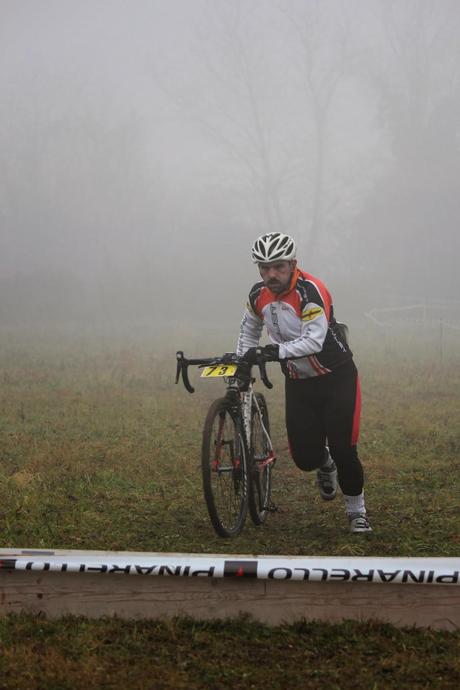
313, 334
250, 331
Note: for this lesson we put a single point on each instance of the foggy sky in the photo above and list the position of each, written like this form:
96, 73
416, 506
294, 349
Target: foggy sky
146, 144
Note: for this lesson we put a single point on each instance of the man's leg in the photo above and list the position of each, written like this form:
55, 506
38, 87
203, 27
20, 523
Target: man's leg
341, 417
305, 429
307, 435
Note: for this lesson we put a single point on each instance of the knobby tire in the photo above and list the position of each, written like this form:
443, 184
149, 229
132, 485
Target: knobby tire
224, 469
260, 474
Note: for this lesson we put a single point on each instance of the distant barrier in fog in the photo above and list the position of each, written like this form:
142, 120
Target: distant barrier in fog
273, 589
435, 326
438, 312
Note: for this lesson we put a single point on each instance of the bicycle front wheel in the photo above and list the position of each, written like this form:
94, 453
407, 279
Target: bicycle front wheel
260, 463
224, 470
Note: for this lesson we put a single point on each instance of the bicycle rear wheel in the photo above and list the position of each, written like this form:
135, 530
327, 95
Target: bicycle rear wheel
260, 463
224, 470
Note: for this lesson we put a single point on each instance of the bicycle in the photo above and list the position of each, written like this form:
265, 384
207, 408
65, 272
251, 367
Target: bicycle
237, 455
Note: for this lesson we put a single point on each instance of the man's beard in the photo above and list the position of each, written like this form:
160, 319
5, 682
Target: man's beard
277, 287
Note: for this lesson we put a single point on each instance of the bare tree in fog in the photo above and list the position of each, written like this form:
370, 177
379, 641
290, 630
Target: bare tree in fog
334, 120
231, 105
323, 39
271, 84
76, 184
409, 221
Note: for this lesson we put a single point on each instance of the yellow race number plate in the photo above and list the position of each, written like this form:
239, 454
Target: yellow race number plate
219, 370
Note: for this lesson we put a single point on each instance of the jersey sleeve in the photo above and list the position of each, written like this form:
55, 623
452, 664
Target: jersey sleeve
314, 327
250, 331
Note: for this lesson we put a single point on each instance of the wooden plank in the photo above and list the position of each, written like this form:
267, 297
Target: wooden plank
270, 601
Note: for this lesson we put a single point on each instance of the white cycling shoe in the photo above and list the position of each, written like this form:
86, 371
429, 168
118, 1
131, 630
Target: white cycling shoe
327, 482
359, 523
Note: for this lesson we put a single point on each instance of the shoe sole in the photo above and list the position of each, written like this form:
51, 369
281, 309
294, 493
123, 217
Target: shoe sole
361, 531
328, 497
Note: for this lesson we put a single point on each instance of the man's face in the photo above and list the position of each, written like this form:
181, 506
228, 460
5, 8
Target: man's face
277, 275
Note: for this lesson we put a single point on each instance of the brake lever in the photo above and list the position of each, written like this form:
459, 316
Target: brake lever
182, 367
179, 357
186, 381
263, 369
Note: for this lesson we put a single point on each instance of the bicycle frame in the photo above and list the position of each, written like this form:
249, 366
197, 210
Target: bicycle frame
236, 465
245, 398
248, 400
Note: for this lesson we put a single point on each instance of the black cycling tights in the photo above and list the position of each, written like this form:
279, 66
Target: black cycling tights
326, 409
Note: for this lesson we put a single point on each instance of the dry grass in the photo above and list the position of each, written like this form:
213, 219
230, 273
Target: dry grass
73, 653
99, 450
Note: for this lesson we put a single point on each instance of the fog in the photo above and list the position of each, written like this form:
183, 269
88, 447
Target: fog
144, 146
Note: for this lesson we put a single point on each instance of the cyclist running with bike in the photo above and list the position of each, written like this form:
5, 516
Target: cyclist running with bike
323, 400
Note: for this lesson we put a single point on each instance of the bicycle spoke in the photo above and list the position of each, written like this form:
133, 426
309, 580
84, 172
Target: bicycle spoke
224, 471
262, 459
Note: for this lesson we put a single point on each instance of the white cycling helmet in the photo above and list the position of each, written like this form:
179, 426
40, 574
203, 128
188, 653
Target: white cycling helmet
273, 247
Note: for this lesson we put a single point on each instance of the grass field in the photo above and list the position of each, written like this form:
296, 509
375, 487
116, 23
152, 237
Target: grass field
99, 450
74, 654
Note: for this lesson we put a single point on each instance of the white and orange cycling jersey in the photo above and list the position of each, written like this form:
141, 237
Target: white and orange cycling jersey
301, 321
